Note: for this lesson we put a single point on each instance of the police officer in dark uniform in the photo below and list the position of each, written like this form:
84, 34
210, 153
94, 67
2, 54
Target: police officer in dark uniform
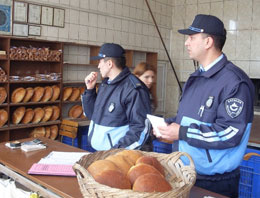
215, 112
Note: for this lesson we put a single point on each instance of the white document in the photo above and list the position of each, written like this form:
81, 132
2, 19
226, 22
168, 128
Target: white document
156, 121
64, 158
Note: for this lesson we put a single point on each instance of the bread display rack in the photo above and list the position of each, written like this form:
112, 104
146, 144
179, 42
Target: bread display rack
181, 176
31, 75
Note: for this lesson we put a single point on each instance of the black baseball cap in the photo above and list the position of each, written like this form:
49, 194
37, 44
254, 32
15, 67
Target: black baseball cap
109, 50
205, 24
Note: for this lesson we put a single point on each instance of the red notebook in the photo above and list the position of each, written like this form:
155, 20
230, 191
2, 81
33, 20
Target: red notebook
52, 169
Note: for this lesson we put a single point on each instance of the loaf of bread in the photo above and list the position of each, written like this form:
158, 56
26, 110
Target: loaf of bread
3, 117
151, 161
67, 91
114, 179
75, 94
28, 116
29, 94
18, 115
121, 161
47, 132
48, 110
3, 95
75, 111
132, 155
37, 132
38, 94
38, 115
81, 90
56, 113
151, 182
54, 132
140, 169
99, 166
48, 92
56, 93
18, 95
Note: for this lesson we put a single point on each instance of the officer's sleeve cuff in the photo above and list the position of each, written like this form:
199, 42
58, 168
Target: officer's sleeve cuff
183, 132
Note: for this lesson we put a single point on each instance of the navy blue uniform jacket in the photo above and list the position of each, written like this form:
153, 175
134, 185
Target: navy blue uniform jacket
118, 113
215, 114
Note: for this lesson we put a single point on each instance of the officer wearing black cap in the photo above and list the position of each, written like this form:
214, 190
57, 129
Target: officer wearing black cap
118, 110
215, 112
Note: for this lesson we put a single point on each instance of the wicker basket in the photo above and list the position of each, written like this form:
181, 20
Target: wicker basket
181, 177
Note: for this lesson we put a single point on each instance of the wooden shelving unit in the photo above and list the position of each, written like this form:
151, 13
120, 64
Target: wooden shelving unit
16, 67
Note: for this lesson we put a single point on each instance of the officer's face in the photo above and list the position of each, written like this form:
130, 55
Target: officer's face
196, 46
104, 67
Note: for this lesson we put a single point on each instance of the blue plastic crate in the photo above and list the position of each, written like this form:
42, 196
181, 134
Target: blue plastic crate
161, 147
249, 184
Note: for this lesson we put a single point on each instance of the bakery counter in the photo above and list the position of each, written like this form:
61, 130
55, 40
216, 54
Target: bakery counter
52, 186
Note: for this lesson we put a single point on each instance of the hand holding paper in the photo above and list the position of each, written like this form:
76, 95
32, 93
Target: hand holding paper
156, 121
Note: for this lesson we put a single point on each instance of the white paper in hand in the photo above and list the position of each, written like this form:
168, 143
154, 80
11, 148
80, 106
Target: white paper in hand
156, 121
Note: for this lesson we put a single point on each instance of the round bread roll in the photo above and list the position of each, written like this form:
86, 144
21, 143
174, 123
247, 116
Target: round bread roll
67, 91
151, 161
18, 95
82, 115
18, 115
99, 166
28, 116
75, 94
114, 179
38, 115
54, 132
47, 132
140, 169
132, 155
29, 94
56, 113
56, 93
75, 111
38, 94
81, 89
121, 162
37, 132
48, 113
3, 95
3, 117
151, 182
48, 92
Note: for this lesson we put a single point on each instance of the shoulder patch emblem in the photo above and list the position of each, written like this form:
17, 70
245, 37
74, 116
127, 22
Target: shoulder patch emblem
234, 107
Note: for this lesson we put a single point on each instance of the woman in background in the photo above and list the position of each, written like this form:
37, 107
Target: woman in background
146, 73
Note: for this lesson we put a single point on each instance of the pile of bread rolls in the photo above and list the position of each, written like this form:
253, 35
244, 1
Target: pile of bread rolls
36, 94
35, 54
48, 132
3, 117
3, 95
72, 93
28, 115
130, 169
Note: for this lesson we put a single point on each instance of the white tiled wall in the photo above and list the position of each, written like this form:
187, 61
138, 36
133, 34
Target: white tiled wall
241, 19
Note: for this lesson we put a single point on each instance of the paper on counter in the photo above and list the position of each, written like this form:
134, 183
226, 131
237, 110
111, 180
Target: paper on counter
65, 158
156, 121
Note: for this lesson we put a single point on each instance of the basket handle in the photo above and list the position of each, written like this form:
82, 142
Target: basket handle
249, 155
188, 156
79, 169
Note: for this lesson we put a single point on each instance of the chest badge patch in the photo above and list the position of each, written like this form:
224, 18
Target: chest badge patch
111, 107
234, 107
209, 102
